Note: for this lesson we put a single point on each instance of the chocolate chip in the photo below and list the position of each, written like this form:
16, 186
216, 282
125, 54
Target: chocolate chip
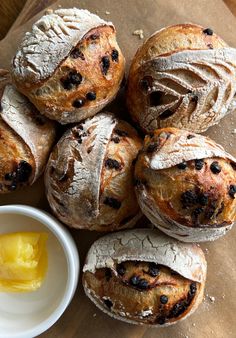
203, 199
178, 309
115, 55
78, 103
193, 289
108, 274
208, 31
115, 139
94, 36
112, 202
108, 303
155, 98
76, 53
121, 132
66, 84
138, 282
134, 280
215, 167
23, 171
182, 165
232, 190
112, 164
153, 270
199, 164
153, 146
197, 212
105, 64
120, 269
161, 320
143, 284
167, 113
91, 96
9, 176
210, 46
75, 78
164, 299
188, 198
190, 136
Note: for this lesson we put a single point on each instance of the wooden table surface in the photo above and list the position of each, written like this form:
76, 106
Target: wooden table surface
10, 9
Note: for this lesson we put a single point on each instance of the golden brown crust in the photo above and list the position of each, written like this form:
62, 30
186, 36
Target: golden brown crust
176, 38
197, 193
144, 292
83, 83
17, 163
176, 80
117, 178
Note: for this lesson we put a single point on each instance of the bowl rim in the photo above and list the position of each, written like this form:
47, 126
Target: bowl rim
73, 263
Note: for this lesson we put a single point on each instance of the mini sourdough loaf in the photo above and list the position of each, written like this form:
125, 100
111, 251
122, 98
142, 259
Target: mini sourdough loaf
70, 65
142, 277
89, 176
186, 185
26, 138
184, 76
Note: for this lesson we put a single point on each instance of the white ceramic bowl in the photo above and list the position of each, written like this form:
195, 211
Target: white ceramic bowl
26, 315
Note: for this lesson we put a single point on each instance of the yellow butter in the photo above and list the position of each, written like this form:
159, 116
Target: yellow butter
23, 261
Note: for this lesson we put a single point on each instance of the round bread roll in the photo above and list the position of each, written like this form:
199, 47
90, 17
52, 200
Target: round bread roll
186, 185
26, 138
143, 277
184, 76
89, 176
70, 65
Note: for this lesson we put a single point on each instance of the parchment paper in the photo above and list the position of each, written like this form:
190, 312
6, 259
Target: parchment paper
216, 316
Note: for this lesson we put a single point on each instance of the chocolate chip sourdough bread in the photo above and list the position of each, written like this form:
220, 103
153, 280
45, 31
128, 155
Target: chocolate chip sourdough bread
26, 138
89, 176
70, 65
183, 76
186, 185
143, 277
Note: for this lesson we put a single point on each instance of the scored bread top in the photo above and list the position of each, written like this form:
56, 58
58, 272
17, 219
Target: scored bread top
147, 245
175, 38
183, 76
52, 38
181, 145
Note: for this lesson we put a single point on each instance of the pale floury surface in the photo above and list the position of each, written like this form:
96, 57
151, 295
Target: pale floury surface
89, 176
184, 76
